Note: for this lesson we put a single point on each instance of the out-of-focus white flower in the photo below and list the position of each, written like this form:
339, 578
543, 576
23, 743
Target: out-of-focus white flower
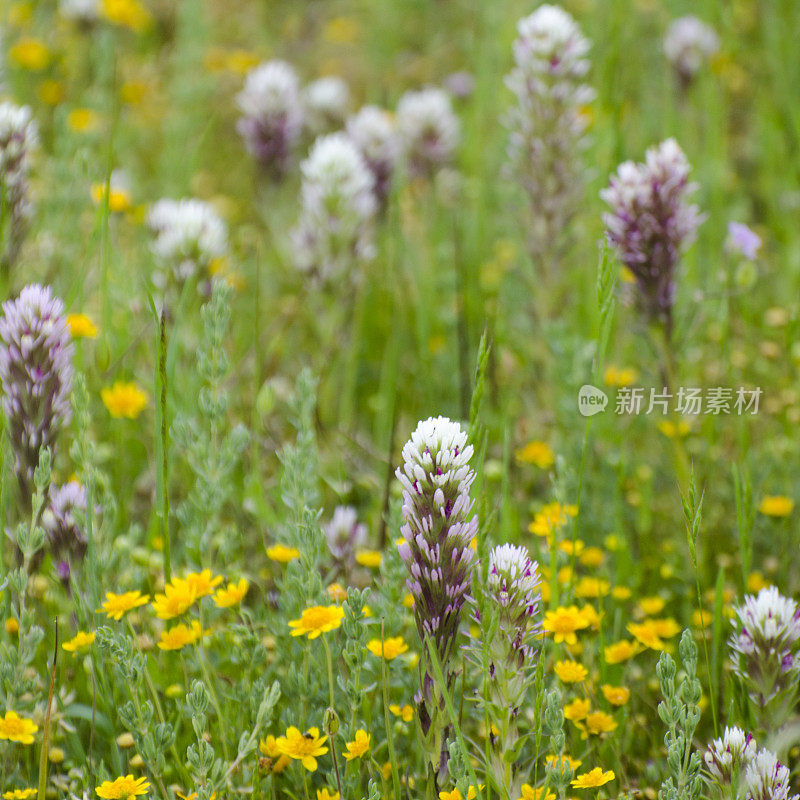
429, 129
687, 44
547, 124
84, 11
743, 240
188, 235
334, 230
326, 102
345, 534
375, 135
272, 115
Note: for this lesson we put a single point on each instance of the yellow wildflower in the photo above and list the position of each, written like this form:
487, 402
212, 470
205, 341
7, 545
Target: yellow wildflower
616, 695
127, 14
123, 788
324, 794
282, 554
652, 605
178, 636
277, 761
619, 376
119, 200
563, 622
19, 794
115, 605
83, 120
302, 747
317, 620
178, 597
592, 779
537, 453
30, 54
406, 712
80, 642
14, 728
81, 327
390, 648
577, 709
124, 399
202, 582
776, 506
529, 792
620, 651
598, 722
571, 671
369, 558
232, 594
358, 746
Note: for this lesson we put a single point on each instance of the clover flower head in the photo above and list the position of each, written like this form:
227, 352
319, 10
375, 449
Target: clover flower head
344, 533
64, 532
513, 580
375, 135
765, 778
188, 235
652, 222
688, 43
36, 375
429, 130
326, 102
334, 230
272, 115
82, 11
730, 754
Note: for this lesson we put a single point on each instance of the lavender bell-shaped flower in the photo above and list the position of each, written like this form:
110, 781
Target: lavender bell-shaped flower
765, 650
438, 531
36, 377
18, 138
651, 223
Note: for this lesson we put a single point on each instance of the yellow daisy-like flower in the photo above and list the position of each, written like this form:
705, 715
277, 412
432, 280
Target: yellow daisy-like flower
81, 327
652, 605
776, 506
598, 722
119, 200
616, 695
177, 598
51, 92
232, 594
592, 557
277, 761
178, 636
202, 582
621, 593
30, 54
324, 794
571, 671
302, 747
123, 788
528, 792
673, 431
408, 600
81, 642
592, 779
124, 399
619, 376
282, 554
369, 558
19, 794
358, 746
317, 620
127, 14
456, 795
83, 120
577, 709
115, 605
588, 587
557, 761
537, 453
620, 651
14, 728
552, 517
646, 634
337, 592
406, 712
390, 648
564, 622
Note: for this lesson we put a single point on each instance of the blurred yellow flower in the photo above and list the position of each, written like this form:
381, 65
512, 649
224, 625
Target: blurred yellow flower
577, 709
592, 557
31, 54
620, 651
124, 399
756, 582
83, 120
81, 327
555, 761
81, 642
369, 558
178, 636
232, 594
14, 728
324, 794
571, 671
563, 622
456, 795
317, 620
202, 583
51, 92
177, 598
652, 605
390, 648
19, 794
619, 376
536, 453
119, 200
776, 505
406, 712
127, 14
341, 30
528, 792
673, 431
616, 695
133, 92
269, 747
598, 722
358, 746
282, 554
115, 605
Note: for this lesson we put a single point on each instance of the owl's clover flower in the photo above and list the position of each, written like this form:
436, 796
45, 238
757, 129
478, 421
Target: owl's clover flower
727, 757
188, 235
765, 650
272, 115
765, 778
36, 377
439, 527
429, 130
334, 230
688, 43
84, 12
374, 134
326, 102
652, 222
345, 534
66, 537
547, 125
18, 138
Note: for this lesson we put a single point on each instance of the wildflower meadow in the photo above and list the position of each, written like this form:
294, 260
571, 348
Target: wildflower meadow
399, 400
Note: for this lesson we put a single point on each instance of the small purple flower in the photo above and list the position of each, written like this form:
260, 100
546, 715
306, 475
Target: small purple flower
729, 755
60, 521
765, 778
651, 223
743, 240
345, 534
36, 376
429, 130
